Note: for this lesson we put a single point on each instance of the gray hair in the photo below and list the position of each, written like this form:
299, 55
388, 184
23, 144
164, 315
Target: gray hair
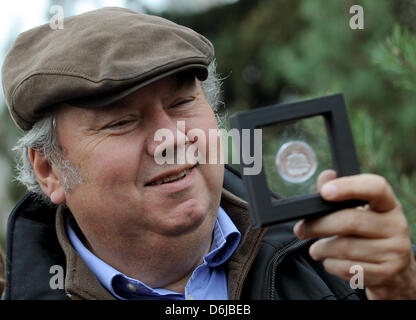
212, 90
43, 138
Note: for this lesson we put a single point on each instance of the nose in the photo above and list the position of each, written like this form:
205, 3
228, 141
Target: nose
167, 136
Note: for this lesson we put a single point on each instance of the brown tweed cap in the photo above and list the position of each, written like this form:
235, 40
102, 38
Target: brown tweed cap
98, 58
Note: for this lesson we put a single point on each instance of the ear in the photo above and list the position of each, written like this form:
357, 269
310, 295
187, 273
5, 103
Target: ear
49, 180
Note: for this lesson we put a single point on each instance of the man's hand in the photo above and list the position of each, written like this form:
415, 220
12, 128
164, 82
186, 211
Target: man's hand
375, 237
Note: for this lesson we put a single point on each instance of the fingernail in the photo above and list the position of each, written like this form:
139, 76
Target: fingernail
328, 190
312, 252
299, 229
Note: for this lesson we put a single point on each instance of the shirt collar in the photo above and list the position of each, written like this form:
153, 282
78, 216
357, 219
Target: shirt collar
226, 239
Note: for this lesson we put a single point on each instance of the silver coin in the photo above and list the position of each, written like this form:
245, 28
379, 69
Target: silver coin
296, 161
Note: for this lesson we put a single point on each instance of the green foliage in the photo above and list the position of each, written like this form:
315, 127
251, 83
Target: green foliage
374, 147
397, 57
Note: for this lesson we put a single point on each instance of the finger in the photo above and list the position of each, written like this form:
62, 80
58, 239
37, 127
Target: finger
372, 188
372, 274
324, 177
352, 222
359, 249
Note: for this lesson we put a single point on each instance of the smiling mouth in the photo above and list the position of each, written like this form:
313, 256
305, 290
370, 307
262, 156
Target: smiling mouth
171, 178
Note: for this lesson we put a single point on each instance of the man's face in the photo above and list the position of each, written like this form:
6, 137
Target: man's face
114, 149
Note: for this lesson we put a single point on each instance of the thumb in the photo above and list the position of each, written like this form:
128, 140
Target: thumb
324, 177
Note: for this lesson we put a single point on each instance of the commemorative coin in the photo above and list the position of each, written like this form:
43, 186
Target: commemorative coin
296, 161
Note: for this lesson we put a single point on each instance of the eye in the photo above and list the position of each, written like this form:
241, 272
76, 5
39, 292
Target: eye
183, 102
119, 124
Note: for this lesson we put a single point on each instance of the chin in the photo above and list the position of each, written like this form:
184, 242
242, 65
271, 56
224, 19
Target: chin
185, 219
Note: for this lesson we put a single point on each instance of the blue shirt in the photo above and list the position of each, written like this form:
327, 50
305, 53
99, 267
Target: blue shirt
207, 282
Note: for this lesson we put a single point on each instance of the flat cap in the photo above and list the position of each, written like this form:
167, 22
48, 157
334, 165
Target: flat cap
98, 58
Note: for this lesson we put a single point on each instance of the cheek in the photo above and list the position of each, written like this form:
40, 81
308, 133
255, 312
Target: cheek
110, 184
115, 163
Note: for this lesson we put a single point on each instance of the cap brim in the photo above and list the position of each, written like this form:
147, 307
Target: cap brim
102, 100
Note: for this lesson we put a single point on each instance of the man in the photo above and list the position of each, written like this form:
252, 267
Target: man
117, 225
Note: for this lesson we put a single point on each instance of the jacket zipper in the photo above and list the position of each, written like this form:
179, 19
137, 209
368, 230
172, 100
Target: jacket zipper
277, 258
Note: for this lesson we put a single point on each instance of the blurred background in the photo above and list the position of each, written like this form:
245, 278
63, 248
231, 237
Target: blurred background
276, 51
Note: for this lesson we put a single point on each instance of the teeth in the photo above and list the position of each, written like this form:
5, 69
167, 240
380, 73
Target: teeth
171, 178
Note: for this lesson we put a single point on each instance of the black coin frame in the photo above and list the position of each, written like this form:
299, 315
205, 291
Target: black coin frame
268, 208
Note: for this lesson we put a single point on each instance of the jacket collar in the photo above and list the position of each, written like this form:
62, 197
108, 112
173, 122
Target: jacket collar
80, 282
240, 262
